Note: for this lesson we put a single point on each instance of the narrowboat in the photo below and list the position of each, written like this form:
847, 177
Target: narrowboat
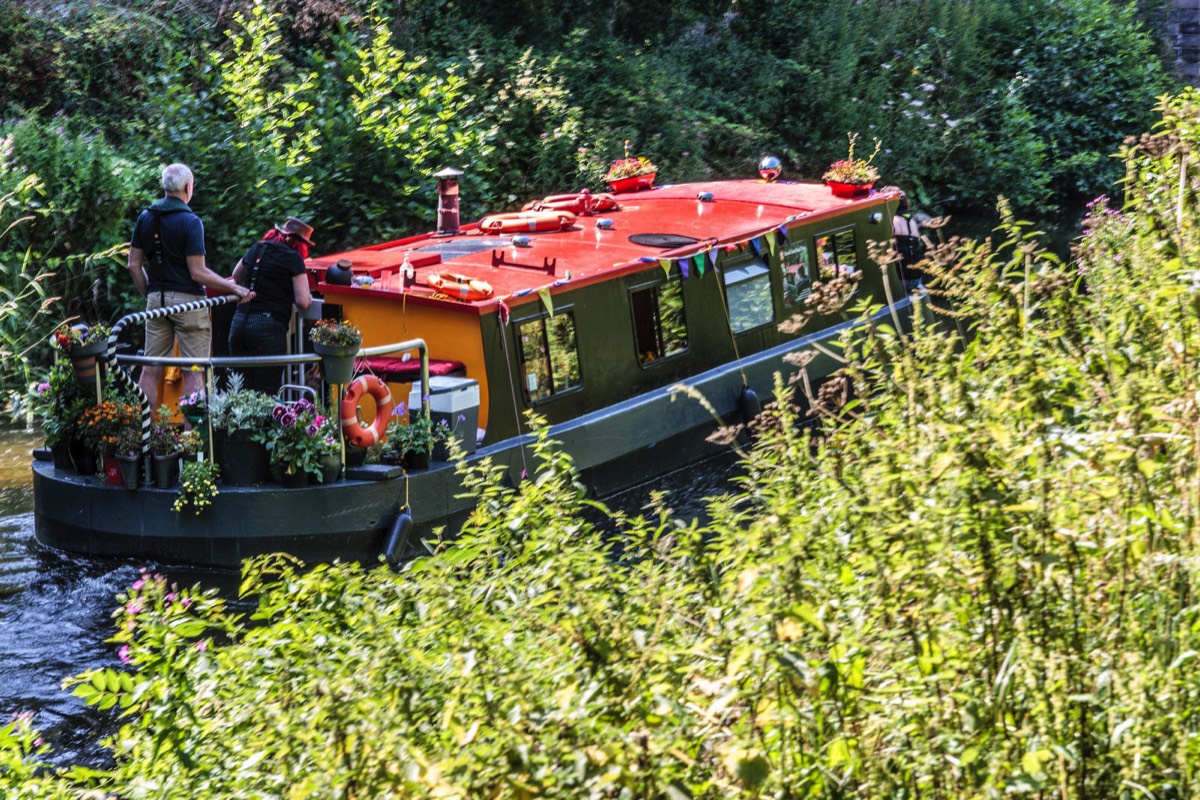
589, 310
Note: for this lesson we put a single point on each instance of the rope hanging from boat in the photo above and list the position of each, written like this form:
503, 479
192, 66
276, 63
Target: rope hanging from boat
512, 388
122, 374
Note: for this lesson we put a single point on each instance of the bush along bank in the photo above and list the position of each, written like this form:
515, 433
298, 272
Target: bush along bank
976, 578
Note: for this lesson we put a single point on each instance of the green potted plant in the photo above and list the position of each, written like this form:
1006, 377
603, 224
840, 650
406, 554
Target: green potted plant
82, 345
851, 176
337, 343
631, 173
241, 420
197, 485
164, 449
58, 403
193, 407
128, 453
191, 446
417, 439
296, 442
109, 427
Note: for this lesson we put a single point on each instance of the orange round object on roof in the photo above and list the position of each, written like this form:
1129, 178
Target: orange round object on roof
356, 434
527, 222
460, 287
584, 203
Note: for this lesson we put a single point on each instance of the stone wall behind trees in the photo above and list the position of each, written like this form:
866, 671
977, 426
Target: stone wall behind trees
1183, 34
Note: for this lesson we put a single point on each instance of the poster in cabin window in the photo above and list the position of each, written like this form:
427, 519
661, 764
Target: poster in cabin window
796, 260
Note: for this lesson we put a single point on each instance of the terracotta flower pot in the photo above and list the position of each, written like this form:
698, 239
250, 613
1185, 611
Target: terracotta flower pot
83, 359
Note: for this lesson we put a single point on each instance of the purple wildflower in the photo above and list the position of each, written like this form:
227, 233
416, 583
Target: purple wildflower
312, 429
42, 388
123, 654
288, 419
277, 412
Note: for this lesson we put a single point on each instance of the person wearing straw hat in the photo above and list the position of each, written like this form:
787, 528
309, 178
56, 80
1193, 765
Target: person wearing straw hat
272, 270
166, 262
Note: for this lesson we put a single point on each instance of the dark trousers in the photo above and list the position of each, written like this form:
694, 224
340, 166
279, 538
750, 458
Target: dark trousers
255, 333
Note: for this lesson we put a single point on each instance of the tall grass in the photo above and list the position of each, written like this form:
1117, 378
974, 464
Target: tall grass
976, 578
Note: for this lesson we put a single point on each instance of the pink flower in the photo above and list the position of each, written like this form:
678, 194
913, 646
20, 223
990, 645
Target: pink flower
123, 654
202, 645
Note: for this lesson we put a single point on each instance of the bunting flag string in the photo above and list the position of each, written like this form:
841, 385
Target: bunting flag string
699, 261
683, 268
666, 266
770, 237
544, 293
756, 243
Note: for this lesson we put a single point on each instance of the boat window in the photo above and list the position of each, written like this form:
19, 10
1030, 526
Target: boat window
748, 292
797, 262
549, 358
838, 251
659, 327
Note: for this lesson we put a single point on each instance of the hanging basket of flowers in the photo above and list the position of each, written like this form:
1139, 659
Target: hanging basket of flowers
83, 345
337, 342
850, 176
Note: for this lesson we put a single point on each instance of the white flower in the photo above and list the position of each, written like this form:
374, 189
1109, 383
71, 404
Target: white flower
927, 87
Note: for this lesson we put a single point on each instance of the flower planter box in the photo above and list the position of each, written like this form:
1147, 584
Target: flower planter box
848, 190
634, 183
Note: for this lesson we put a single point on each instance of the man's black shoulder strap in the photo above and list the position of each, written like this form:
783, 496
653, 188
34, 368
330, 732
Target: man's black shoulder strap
155, 253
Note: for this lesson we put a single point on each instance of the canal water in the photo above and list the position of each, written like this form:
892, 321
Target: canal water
55, 608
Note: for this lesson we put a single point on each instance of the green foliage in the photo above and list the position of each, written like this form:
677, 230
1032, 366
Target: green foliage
975, 578
239, 409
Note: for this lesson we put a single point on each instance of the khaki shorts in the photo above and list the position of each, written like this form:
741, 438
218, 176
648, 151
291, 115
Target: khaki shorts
193, 329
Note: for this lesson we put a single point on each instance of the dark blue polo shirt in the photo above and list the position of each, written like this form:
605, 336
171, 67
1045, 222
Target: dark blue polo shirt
181, 234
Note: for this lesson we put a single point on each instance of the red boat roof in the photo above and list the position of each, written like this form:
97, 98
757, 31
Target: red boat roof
739, 211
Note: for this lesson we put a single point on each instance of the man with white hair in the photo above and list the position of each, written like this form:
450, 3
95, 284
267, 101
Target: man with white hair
166, 261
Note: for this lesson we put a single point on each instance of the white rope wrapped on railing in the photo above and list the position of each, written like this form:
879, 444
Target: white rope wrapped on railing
123, 376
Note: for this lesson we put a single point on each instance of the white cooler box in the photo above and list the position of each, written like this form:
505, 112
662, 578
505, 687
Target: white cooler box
454, 401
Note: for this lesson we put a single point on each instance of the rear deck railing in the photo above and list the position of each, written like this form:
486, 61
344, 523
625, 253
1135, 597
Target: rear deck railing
122, 364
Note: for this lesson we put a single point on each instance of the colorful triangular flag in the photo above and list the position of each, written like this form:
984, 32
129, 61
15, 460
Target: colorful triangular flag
683, 268
503, 311
666, 265
544, 293
699, 260
756, 243
770, 236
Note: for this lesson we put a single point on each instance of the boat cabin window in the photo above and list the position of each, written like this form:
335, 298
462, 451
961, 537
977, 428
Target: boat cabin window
748, 292
797, 262
838, 251
659, 327
549, 358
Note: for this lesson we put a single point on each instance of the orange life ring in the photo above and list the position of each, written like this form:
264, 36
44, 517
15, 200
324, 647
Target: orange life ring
375, 432
460, 287
527, 221
584, 203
